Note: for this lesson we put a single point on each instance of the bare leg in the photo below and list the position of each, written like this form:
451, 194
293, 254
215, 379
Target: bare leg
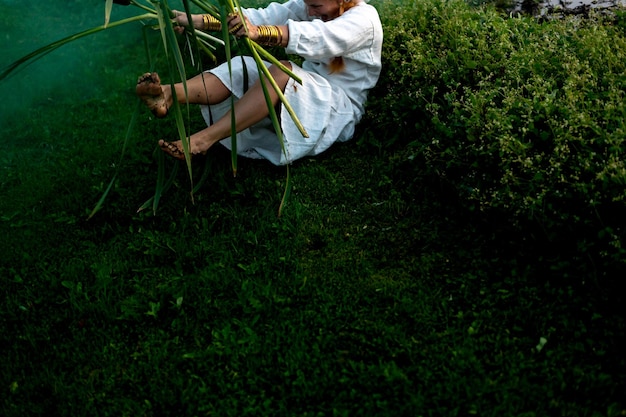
204, 88
250, 109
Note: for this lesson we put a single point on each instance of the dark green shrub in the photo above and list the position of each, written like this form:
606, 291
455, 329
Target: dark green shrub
526, 120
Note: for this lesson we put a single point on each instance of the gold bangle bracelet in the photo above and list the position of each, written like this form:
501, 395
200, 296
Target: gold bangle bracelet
211, 23
270, 35
235, 28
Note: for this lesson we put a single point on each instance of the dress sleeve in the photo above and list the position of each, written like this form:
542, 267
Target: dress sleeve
353, 31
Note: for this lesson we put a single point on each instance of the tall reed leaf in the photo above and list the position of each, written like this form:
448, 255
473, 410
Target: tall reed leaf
108, 7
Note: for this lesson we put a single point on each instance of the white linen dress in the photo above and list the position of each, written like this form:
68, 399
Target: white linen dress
328, 105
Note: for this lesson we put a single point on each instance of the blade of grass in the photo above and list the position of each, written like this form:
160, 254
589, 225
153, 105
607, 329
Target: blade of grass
108, 7
228, 52
277, 128
205, 35
176, 64
194, 44
286, 192
100, 202
129, 129
204, 176
207, 7
146, 45
162, 24
141, 6
150, 202
158, 191
204, 46
272, 59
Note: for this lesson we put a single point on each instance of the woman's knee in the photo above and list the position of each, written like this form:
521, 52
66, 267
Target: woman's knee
279, 75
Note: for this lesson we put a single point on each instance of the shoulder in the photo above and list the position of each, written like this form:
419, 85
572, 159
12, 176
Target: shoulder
365, 7
363, 11
363, 14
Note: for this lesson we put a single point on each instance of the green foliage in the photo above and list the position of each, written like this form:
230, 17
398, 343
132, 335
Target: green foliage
525, 120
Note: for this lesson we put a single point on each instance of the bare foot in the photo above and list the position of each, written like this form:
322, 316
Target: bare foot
150, 92
173, 149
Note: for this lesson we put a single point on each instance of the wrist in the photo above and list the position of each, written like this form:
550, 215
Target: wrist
209, 23
269, 35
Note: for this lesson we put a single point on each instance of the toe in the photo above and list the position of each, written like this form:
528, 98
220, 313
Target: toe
143, 78
149, 78
171, 149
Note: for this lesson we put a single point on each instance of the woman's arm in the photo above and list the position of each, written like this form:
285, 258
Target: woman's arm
271, 35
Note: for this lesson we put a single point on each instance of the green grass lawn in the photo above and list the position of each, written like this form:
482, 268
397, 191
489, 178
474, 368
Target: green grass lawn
374, 293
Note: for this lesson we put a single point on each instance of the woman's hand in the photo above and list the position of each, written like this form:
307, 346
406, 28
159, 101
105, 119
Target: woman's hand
237, 27
180, 21
268, 35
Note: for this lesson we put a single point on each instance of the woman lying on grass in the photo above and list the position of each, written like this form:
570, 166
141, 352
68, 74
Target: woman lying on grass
340, 42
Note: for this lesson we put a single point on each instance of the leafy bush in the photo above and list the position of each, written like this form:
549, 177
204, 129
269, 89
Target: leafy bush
526, 120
